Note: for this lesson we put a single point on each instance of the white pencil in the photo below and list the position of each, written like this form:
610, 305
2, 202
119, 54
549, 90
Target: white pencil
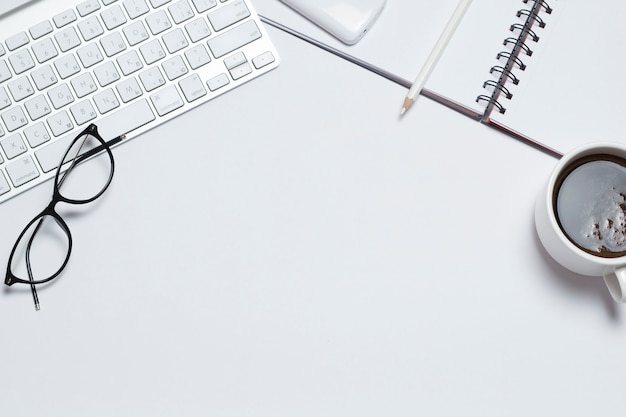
435, 54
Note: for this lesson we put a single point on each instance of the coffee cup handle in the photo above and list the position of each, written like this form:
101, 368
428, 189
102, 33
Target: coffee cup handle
615, 280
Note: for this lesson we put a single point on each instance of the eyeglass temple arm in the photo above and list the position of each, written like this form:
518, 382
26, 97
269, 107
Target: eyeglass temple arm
97, 149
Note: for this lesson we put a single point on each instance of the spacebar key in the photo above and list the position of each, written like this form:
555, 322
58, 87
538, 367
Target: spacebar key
125, 120
122, 122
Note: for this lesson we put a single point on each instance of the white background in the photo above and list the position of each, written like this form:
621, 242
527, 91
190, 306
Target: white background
294, 249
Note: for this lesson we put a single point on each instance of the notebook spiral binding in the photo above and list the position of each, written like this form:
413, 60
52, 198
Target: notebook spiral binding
519, 47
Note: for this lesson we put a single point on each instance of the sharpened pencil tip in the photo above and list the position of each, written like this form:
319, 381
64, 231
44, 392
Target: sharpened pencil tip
407, 103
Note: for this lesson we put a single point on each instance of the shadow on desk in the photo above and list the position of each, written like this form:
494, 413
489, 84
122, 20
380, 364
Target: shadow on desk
576, 283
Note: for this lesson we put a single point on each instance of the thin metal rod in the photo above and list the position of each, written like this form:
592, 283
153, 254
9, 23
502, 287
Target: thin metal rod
376, 70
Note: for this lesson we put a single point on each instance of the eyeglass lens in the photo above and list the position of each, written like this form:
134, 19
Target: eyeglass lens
83, 182
46, 244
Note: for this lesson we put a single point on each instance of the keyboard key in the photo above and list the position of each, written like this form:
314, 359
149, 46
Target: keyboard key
67, 66
5, 72
41, 29
20, 88
175, 41
217, 82
228, 15
83, 112
4, 185
106, 101
192, 87
129, 90
37, 107
262, 60
67, 39
89, 55
5, 101
17, 40
158, 3
44, 77
117, 123
198, 29
87, 7
13, 146
151, 78
234, 39
22, 170
234, 60
174, 67
14, 118
135, 8
129, 62
203, 5
64, 18
241, 71
106, 74
36, 134
90, 28
113, 44
60, 123
158, 22
60, 96
135, 33
21, 61
50, 155
113, 17
180, 11
197, 56
152, 51
44, 50
83, 84
166, 100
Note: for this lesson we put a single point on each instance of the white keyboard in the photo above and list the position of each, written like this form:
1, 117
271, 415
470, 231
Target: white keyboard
125, 65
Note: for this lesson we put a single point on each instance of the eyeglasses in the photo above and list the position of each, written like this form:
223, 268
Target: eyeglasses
44, 246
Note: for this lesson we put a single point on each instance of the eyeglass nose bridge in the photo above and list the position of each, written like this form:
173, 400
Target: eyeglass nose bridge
10, 277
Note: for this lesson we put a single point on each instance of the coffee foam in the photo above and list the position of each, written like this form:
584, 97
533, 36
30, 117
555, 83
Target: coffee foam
591, 206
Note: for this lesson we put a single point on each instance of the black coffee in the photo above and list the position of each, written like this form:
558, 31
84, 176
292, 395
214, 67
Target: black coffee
590, 202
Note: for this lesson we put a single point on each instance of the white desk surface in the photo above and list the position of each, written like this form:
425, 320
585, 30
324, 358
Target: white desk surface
309, 254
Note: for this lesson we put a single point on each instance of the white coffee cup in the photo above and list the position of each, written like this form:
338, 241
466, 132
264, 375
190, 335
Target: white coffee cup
559, 243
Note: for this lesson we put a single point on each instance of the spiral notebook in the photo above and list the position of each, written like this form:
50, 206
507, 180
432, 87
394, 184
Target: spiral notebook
550, 73
555, 74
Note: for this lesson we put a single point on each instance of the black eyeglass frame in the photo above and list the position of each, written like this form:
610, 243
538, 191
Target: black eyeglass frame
57, 197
